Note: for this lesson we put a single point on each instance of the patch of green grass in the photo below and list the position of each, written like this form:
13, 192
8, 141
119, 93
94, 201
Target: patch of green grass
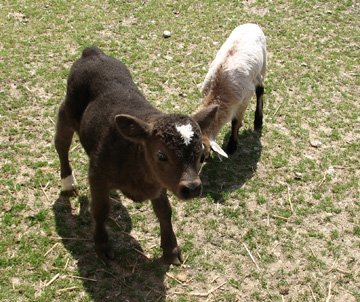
255, 197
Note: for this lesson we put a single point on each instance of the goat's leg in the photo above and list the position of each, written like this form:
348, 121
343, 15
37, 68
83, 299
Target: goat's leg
100, 209
259, 108
171, 250
234, 137
63, 138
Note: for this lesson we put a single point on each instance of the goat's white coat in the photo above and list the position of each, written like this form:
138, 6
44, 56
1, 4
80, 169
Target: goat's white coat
239, 66
186, 132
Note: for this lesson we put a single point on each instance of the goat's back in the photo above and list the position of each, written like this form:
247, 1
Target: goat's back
241, 60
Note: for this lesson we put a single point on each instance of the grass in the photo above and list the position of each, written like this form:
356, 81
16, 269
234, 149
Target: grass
291, 194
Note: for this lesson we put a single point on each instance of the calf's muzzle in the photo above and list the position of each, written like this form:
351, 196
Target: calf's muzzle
190, 189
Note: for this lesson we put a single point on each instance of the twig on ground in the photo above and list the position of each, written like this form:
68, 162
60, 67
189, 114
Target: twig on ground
156, 291
280, 217
47, 169
202, 294
329, 293
113, 199
52, 280
142, 254
312, 293
107, 272
322, 181
277, 109
312, 251
290, 202
159, 299
75, 147
182, 264
42, 189
273, 249
215, 279
113, 220
51, 120
66, 264
177, 280
342, 271
82, 278
334, 267
51, 249
80, 239
251, 256
67, 289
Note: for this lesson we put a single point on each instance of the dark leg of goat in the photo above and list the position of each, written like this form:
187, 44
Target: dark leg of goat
171, 250
259, 108
63, 138
100, 208
234, 138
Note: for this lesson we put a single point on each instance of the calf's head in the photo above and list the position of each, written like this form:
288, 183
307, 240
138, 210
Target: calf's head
173, 148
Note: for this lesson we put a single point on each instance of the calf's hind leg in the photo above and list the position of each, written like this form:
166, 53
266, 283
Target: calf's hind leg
63, 138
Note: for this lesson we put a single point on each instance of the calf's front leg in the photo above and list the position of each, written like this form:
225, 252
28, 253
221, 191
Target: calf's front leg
100, 208
171, 250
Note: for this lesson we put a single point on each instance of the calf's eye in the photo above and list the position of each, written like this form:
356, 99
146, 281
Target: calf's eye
161, 156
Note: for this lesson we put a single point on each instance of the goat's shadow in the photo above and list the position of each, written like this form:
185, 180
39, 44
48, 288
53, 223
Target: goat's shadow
130, 277
222, 175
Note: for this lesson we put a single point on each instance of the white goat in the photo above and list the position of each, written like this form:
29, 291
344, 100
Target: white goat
236, 73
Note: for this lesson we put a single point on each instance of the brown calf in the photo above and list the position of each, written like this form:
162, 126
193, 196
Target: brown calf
131, 145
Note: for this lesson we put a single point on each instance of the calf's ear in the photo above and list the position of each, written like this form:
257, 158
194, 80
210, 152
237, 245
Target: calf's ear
206, 116
132, 128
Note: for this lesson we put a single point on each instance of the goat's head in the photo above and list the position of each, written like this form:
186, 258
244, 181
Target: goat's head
173, 148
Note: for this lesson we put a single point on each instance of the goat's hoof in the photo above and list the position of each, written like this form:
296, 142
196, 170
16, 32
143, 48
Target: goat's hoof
231, 148
173, 257
258, 125
105, 251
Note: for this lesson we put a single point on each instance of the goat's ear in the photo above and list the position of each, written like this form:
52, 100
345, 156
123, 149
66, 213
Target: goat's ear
132, 128
214, 146
206, 116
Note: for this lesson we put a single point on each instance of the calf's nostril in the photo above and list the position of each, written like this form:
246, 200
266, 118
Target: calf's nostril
185, 192
191, 190
197, 189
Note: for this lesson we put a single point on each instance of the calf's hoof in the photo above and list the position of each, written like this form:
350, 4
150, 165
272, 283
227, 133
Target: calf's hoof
173, 257
69, 185
104, 251
72, 193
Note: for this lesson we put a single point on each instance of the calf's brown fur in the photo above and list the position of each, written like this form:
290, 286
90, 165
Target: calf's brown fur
131, 145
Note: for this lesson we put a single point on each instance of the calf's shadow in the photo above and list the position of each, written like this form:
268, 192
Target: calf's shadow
222, 175
130, 277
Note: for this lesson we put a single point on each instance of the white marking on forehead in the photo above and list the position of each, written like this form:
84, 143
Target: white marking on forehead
186, 132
